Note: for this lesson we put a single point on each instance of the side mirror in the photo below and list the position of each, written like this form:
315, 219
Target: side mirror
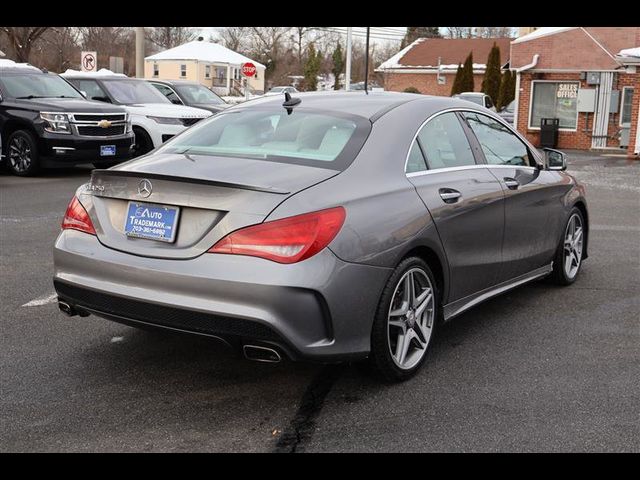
84, 94
555, 160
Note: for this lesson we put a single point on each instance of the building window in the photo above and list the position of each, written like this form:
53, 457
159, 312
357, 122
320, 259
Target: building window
183, 70
554, 100
625, 107
156, 70
207, 71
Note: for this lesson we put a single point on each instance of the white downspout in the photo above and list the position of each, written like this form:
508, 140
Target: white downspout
528, 66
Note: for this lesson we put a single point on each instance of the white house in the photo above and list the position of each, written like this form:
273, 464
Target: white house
210, 64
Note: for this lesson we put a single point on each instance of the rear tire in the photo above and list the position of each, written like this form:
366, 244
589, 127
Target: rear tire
22, 154
405, 321
569, 255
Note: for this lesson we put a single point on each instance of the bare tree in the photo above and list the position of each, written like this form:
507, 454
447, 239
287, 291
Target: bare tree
110, 41
460, 32
22, 39
494, 32
235, 38
169, 37
58, 49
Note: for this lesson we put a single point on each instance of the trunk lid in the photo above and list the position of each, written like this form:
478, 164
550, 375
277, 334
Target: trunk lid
215, 196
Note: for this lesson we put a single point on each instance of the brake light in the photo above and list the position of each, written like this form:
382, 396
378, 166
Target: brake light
288, 240
77, 218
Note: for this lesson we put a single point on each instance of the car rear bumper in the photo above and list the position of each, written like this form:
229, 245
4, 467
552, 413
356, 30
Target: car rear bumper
320, 309
60, 150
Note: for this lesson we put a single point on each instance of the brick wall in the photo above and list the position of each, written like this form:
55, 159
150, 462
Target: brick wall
426, 83
580, 139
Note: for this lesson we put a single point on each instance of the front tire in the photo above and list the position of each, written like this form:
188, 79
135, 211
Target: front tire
22, 154
143, 143
568, 259
405, 321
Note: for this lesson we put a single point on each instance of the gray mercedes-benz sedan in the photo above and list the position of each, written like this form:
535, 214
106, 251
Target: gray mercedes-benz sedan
325, 227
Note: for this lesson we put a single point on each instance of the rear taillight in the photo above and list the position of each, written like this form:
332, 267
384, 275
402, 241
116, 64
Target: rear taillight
288, 240
77, 218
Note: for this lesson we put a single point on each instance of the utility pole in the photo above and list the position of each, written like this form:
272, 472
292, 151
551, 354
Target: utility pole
366, 65
347, 74
140, 52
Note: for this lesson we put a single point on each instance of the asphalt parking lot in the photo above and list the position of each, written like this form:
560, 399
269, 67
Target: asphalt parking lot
541, 368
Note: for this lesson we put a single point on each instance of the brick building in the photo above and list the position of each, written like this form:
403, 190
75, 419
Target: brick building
430, 64
588, 78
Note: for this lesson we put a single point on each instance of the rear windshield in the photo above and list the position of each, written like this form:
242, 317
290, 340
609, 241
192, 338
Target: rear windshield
307, 137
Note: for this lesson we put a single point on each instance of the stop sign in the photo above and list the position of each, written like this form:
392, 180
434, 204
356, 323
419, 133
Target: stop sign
248, 69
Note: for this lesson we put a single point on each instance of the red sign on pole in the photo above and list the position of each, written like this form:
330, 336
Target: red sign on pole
248, 69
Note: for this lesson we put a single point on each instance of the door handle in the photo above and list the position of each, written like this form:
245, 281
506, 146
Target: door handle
449, 195
511, 183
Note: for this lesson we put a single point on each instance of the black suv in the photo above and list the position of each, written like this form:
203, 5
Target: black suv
45, 121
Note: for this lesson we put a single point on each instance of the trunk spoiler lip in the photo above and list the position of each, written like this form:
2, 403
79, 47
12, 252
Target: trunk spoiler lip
176, 178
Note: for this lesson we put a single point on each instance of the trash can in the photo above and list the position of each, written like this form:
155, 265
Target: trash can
549, 132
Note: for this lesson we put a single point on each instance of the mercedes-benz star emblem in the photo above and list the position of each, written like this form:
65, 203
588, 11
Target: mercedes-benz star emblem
145, 188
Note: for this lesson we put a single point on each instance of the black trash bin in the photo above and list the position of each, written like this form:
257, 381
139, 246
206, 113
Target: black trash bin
549, 132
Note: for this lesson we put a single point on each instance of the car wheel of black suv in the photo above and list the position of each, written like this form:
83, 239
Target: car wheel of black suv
568, 259
405, 321
22, 154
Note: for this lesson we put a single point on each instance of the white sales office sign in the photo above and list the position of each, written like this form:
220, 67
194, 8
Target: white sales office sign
89, 61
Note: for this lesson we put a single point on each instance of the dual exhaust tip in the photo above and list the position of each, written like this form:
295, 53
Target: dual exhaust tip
261, 354
256, 353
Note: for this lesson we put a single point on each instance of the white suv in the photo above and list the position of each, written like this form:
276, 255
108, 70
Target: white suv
154, 118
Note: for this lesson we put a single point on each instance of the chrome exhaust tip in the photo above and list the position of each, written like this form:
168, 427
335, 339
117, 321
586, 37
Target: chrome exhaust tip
261, 354
67, 309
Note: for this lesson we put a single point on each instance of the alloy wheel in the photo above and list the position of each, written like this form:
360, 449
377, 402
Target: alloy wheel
573, 242
411, 318
20, 154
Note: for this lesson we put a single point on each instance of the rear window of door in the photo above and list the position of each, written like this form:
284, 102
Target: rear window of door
499, 144
92, 89
444, 143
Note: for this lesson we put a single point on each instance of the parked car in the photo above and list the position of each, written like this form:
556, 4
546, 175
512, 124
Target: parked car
154, 118
478, 98
282, 90
46, 122
192, 94
332, 226
508, 112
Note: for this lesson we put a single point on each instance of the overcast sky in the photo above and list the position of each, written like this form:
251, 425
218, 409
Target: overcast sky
392, 35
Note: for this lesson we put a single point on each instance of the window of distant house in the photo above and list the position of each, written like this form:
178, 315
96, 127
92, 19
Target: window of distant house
183, 70
625, 107
156, 70
207, 71
554, 100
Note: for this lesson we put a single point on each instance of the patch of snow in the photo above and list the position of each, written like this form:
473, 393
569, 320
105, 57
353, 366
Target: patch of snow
10, 63
103, 72
204, 52
630, 52
394, 62
38, 302
542, 32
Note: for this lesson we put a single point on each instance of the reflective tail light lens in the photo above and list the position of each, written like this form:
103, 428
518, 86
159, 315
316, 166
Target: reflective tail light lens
77, 218
288, 240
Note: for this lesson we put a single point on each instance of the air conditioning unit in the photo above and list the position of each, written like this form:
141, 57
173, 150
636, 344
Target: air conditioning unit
593, 78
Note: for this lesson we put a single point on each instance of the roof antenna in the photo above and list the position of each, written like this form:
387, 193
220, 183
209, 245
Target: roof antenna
289, 102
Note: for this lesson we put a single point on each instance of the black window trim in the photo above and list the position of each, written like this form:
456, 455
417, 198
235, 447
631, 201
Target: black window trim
478, 146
